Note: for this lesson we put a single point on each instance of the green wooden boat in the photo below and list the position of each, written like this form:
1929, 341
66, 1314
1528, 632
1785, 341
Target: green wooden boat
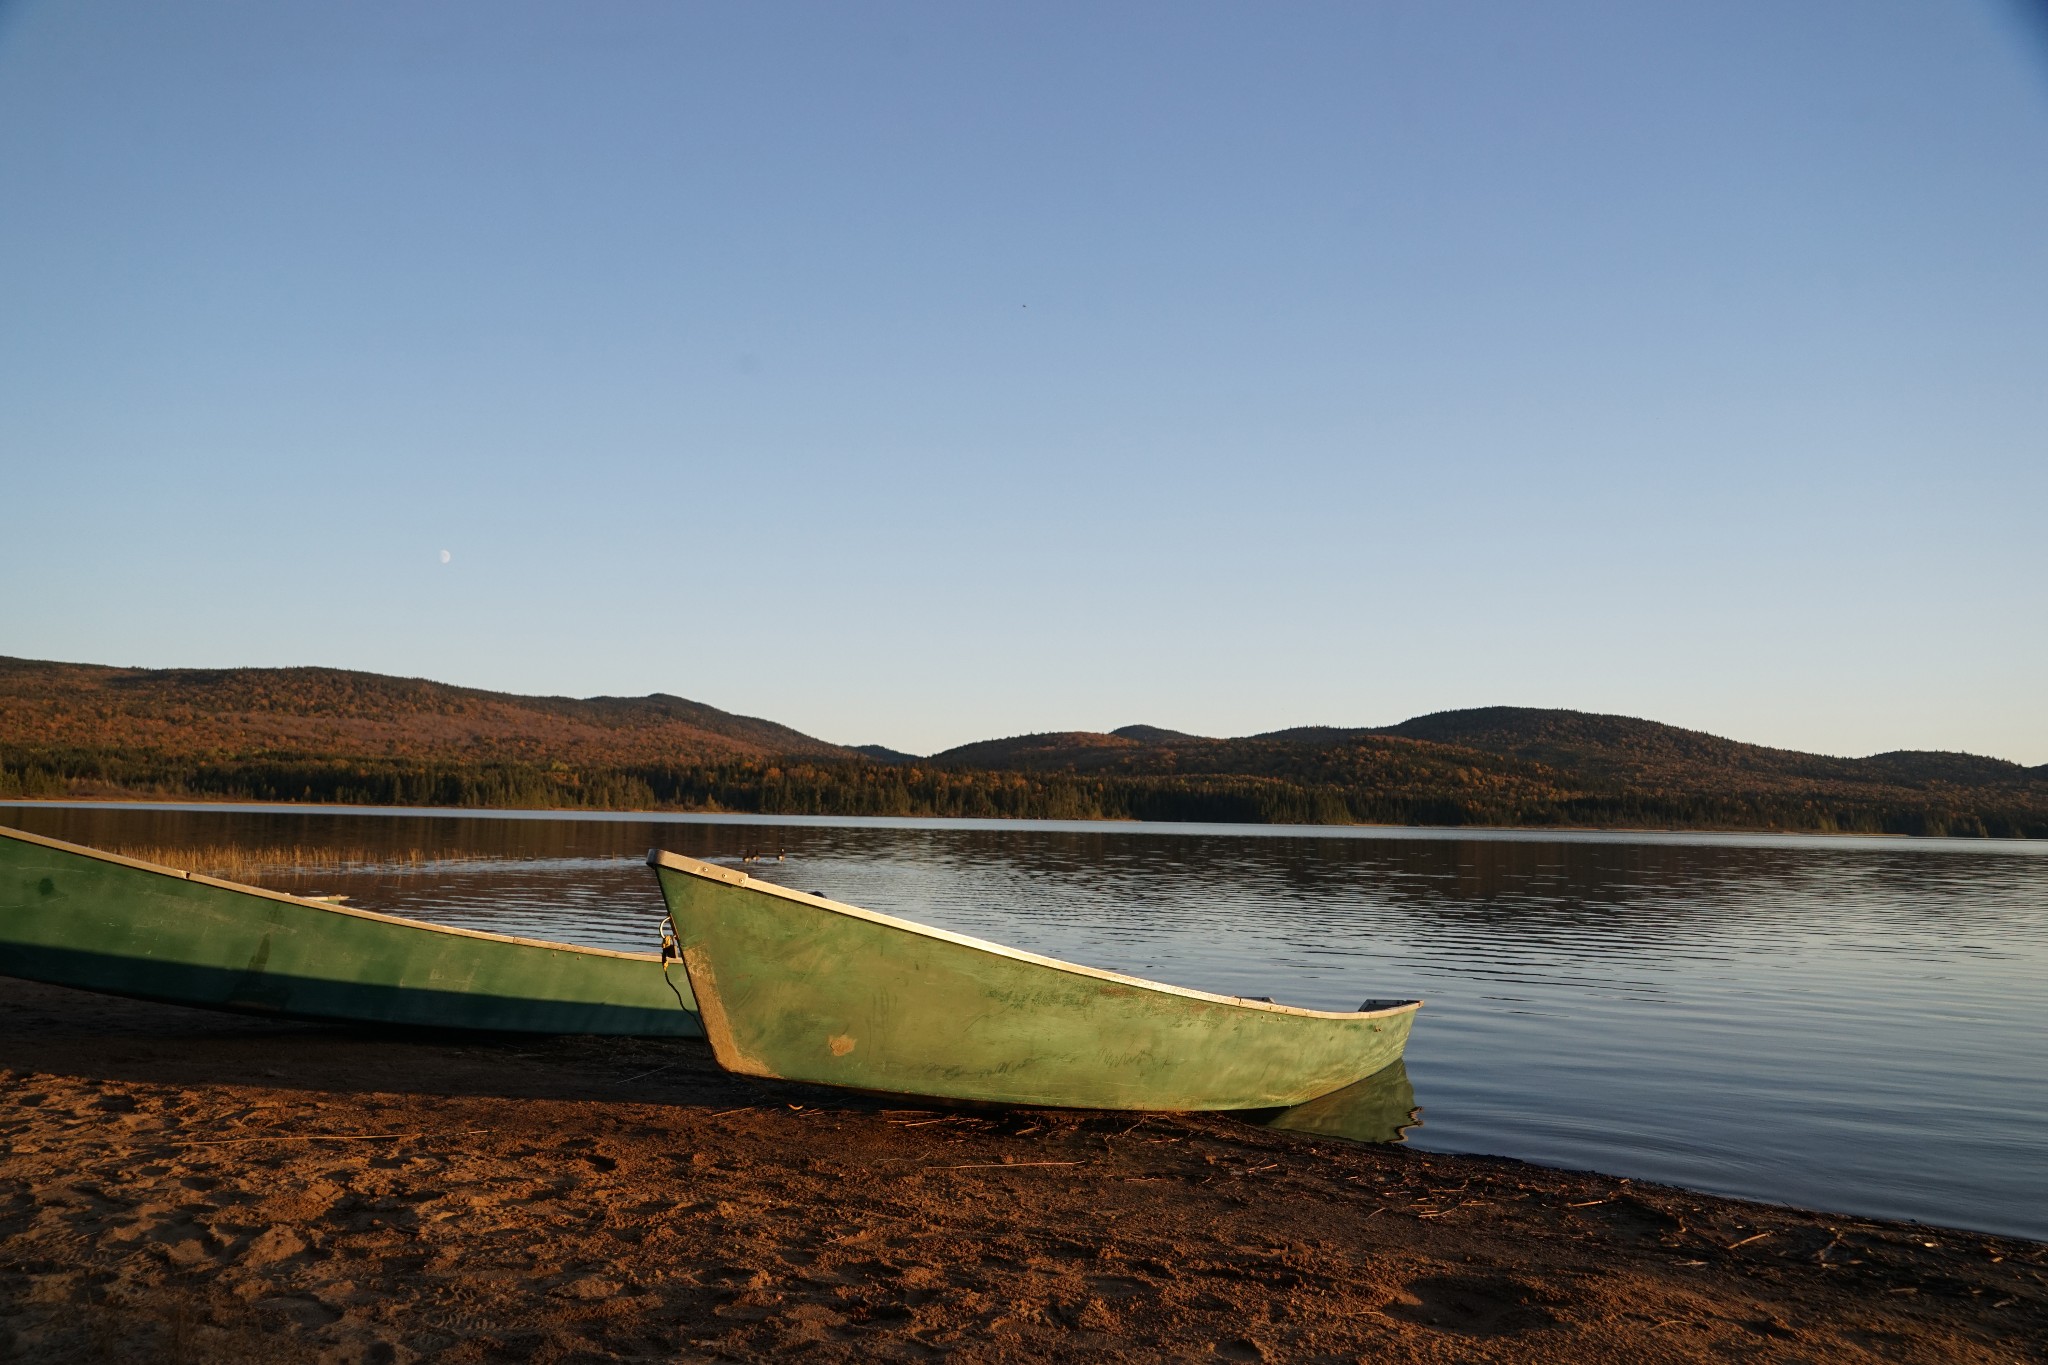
75, 916
807, 989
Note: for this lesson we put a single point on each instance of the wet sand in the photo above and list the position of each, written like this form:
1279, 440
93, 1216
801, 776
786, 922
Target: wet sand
183, 1186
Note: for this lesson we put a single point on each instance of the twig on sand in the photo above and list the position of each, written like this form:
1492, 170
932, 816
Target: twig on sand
304, 1137
1747, 1240
1005, 1165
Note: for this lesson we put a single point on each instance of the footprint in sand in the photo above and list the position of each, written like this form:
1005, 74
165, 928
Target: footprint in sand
1473, 1305
302, 1310
270, 1247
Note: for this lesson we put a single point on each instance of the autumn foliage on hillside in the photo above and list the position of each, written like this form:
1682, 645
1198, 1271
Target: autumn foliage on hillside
232, 714
328, 735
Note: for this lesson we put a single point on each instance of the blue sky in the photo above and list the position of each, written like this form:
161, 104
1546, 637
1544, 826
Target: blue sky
920, 373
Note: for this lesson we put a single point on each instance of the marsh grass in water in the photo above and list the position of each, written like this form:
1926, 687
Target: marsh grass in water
252, 864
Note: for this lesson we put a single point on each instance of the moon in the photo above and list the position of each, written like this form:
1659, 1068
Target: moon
445, 556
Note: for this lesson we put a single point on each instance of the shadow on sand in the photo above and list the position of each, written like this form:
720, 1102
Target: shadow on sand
59, 1031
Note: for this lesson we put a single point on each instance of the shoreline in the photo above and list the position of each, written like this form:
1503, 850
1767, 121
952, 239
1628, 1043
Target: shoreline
1530, 833
182, 1185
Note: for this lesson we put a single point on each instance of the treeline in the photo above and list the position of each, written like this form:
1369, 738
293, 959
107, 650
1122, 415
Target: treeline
859, 789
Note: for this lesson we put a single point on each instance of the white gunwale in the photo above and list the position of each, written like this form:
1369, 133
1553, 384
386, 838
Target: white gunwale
328, 906
657, 857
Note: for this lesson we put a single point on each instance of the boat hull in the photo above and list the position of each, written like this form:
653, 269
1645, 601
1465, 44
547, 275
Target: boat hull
806, 989
73, 916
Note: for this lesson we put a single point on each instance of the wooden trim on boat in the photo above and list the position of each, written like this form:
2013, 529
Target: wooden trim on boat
329, 906
731, 877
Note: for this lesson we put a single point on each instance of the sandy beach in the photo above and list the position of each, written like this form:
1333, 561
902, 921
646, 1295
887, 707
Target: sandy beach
183, 1186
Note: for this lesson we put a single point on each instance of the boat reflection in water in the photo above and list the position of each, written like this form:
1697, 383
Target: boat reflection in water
1380, 1108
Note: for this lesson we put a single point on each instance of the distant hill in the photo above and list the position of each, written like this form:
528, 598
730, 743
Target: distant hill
1579, 741
1150, 734
1925, 767
1521, 765
882, 753
1081, 750
229, 713
1630, 750
318, 734
1603, 750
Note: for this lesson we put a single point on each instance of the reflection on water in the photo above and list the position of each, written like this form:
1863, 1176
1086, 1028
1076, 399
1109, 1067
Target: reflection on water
1380, 1108
1846, 1024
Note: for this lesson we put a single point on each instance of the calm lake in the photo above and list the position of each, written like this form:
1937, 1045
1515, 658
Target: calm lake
1845, 1024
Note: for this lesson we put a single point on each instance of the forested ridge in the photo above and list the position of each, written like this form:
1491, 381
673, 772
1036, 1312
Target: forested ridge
330, 735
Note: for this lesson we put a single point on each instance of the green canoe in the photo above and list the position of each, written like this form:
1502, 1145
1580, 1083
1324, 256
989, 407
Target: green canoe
806, 989
77, 917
